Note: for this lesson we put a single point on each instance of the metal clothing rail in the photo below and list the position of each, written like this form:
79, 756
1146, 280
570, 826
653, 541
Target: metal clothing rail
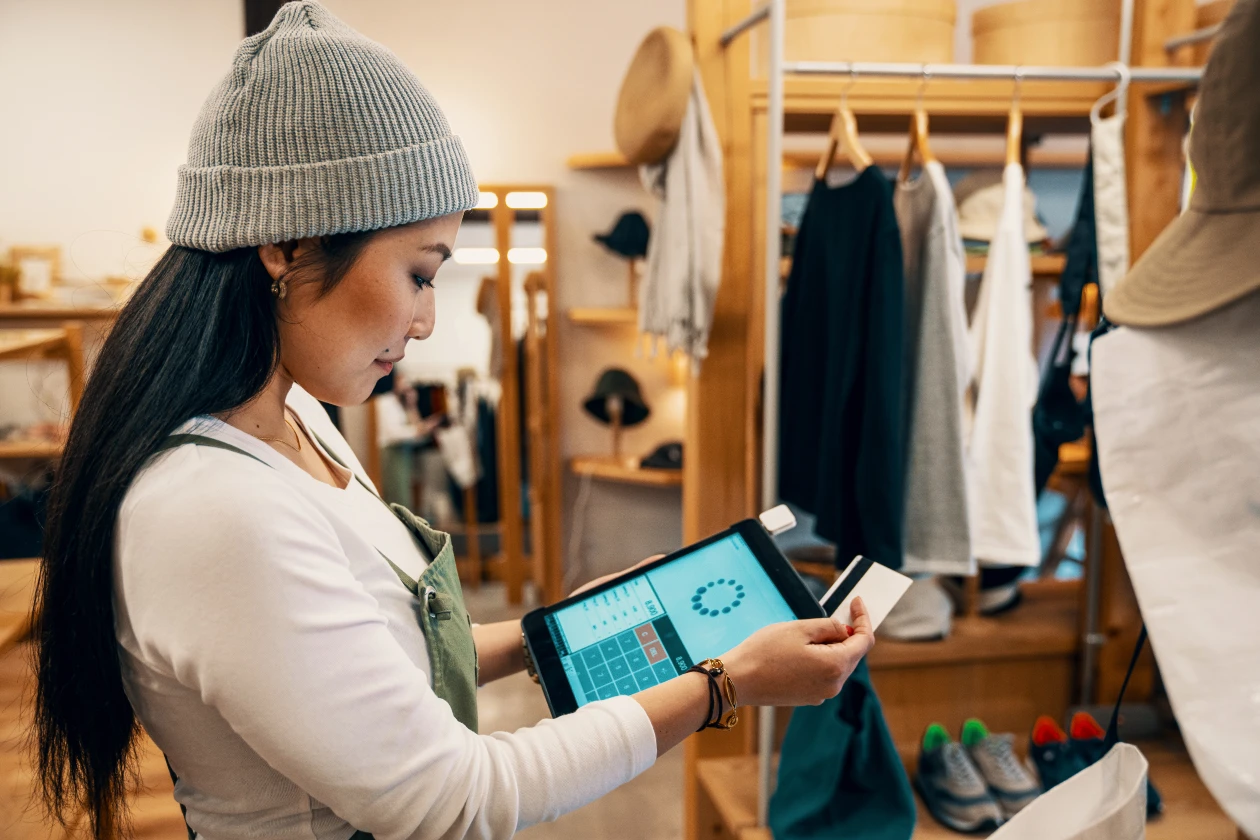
774, 13
1013, 72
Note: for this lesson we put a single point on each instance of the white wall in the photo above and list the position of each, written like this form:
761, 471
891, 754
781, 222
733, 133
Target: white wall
99, 100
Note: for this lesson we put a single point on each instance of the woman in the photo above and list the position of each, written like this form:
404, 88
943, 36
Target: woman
218, 570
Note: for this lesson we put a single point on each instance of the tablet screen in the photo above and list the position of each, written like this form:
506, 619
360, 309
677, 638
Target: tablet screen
653, 627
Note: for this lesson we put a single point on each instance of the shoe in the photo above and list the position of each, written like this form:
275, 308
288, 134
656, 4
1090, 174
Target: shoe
1089, 741
951, 786
1050, 755
1010, 783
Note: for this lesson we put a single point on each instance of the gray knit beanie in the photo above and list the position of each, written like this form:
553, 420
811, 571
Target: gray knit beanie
315, 130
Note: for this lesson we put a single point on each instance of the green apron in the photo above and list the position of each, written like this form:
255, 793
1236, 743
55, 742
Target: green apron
444, 621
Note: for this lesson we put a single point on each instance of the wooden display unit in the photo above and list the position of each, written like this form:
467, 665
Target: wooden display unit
1030, 662
611, 468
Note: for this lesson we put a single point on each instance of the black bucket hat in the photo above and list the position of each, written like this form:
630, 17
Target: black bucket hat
628, 237
616, 382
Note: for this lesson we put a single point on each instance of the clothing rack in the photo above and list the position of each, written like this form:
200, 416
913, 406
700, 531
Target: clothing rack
774, 13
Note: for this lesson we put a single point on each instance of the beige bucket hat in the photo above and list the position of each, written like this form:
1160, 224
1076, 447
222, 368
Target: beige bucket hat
1207, 257
980, 197
654, 96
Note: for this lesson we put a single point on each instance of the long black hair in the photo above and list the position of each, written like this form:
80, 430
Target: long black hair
199, 336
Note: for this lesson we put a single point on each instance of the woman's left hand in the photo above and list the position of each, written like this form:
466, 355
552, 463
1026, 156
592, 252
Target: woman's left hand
602, 580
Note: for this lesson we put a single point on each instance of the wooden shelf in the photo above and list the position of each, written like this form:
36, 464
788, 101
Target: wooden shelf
30, 449
21, 344
605, 316
796, 159
52, 310
608, 468
598, 160
956, 106
728, 789
1043, 265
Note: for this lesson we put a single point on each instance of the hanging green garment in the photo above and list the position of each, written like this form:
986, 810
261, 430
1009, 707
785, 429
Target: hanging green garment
840, 777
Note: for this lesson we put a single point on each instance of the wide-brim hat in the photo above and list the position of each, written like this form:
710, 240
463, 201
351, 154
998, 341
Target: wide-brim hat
654, 96
616, 382
628, 237
980, 197
1207, 258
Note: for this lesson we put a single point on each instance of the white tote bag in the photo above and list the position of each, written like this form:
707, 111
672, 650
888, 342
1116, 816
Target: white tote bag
1105, 801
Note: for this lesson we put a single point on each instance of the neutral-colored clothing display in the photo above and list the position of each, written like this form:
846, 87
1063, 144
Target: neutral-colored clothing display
1175, 411
278, 151
684, 256
271, 652
1111, 202
841, 450
936, 373
1002, 500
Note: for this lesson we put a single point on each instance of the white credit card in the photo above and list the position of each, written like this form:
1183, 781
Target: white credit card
879, 587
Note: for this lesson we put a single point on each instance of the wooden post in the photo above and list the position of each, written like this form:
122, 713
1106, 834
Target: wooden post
509, 434
472, 536
74, 362
723, 404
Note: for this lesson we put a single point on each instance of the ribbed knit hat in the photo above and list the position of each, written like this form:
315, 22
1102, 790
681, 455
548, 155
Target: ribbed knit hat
315, 130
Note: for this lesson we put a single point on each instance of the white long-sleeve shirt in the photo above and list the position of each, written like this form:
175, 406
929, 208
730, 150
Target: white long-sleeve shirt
1002, 497
276, 659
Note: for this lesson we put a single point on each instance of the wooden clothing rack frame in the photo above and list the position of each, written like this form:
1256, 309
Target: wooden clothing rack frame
729, 474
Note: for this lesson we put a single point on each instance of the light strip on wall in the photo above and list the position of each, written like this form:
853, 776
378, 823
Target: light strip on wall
487, 200
527, 256
526, 200
476, 256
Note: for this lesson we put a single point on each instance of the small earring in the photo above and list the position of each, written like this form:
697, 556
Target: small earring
279, 287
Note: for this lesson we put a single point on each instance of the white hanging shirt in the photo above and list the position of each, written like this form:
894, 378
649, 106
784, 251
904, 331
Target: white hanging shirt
1176, 409
1003, 500
275, 657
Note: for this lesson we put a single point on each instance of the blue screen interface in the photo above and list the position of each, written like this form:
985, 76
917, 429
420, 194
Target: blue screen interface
650, 628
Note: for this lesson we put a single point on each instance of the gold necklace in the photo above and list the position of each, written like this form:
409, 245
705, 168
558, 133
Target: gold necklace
296, 436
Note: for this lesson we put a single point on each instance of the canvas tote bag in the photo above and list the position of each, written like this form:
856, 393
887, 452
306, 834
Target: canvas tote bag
1105, 801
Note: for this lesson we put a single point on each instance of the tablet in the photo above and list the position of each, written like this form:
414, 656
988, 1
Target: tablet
655, 622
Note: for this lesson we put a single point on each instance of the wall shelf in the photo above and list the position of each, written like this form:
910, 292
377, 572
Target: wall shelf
604, 316
42, 449
609, 468
1043, 265
597, 160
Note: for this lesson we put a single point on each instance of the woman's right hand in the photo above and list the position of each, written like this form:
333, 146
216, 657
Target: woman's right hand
799, 663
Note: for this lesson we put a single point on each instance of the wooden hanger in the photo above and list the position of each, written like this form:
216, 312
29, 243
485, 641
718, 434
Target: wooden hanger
1015, 126
918, 136
844, 135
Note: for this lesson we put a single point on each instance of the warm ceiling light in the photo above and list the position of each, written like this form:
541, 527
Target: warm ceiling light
527, 256
476, 256
527, 200
487, 200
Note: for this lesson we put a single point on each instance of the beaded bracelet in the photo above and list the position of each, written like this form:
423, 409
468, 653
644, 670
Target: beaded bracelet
718, 693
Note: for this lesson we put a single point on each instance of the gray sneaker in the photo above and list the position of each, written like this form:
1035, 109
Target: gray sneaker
994, 756
951, 786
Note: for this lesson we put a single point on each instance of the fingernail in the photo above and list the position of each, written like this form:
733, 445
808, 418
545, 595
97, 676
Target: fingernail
849, 629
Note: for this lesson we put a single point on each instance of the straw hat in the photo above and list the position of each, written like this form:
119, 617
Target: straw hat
1206, 258
654, 95
981, 196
